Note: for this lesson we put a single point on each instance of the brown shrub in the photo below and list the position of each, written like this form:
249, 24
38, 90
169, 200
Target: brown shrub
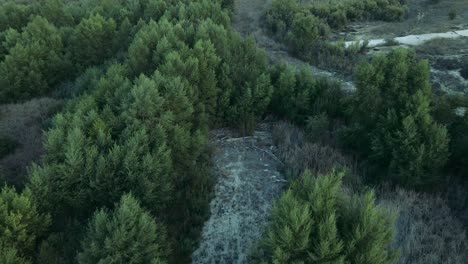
299, 155
427, 230
23, 123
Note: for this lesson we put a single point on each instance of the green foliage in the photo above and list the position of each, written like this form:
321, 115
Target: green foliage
452, 14
317, 127
126, 235
56, 12
246, 89
459, 145
34, 62
306, 29
316, 222
298, 95
281, 15
14, 15
450, 111
305, 25
9, 255
110, 145
7, 146
336, 14
21, 225
94, 40
153, 77
392, 123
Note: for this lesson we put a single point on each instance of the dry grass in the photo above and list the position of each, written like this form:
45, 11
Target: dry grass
299, 155
24, 124
427, 230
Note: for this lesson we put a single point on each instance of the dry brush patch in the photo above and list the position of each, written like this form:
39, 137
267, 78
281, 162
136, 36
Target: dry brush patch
23, 123
427, 230
298, 155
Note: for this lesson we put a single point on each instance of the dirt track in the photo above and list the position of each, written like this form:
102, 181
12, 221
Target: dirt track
248, 183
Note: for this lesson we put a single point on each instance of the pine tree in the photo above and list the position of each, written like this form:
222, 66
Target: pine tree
306, 29
315, 221
298, 95
94, 40
114, 142
21, 225
393, 126
128, 234
9, 255
34, 62
14, 15
55, 12
368, 231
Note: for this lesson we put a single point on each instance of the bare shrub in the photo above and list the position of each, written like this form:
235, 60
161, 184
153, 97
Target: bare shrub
427, 230
299, 155
23, 123
287, 135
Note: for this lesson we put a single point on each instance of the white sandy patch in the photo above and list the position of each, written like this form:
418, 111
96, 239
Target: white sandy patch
412, 40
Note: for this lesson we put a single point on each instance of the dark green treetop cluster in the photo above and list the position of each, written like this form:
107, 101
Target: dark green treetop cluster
392, 122
152, 76
316, 221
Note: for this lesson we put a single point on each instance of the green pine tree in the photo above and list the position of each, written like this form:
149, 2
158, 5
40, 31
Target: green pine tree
315, 221
93, 40
21, 225
128, 234
392, 122
34, 62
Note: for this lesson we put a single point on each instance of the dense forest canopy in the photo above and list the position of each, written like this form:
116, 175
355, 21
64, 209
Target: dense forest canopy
127, 173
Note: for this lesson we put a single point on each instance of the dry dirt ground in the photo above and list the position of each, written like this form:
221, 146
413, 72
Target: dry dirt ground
248, 184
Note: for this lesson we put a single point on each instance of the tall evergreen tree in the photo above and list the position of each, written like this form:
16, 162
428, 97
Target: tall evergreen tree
9, 255
315, 221
21, 226
128, 234
34, 62
393, 126
14, 14
114, 142
94, 40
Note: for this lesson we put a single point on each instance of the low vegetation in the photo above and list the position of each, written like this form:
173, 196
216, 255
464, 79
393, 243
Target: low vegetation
427, 229
305, 26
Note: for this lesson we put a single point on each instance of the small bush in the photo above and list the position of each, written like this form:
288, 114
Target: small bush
7, 146
317, 127
464, 72
298, 155
391, 42
452, 15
